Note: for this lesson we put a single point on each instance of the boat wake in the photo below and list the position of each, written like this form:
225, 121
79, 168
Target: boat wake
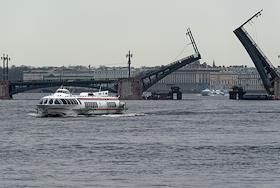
124, 115
34, 114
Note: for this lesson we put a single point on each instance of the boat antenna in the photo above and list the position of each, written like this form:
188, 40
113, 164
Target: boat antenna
100, 89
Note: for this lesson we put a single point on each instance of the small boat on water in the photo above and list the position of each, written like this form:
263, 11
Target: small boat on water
206, 92
62, 103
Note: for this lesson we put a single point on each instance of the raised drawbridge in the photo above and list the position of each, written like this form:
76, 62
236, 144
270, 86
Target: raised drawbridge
264, 67
132, 88
150, 78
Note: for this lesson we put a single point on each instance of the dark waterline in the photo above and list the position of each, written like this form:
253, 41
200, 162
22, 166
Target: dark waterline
196, 142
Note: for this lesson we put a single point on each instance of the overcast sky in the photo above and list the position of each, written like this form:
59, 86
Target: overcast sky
100, 32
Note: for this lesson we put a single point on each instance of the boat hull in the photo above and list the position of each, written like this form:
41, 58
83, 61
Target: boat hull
51, 110
99, 111
57, 111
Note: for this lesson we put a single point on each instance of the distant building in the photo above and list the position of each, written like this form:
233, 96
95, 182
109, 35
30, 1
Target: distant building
35, 74
250, 82
223, 80
196, 77
191, 78
74, 73
111, 72
246, 77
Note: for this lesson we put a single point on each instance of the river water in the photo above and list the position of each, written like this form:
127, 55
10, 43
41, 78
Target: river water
196, 142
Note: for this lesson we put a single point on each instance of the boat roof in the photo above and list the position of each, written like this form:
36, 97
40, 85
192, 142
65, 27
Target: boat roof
96, 94
62, 90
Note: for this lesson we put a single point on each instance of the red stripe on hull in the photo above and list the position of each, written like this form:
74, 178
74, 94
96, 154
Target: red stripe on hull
106, 99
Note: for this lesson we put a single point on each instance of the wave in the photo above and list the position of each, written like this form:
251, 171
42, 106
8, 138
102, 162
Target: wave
124, 115
34, 114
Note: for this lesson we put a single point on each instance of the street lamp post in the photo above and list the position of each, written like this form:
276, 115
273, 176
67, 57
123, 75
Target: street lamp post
279, 60
129, 56
5, 70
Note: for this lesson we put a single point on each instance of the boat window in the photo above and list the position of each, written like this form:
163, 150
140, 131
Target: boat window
76, 102
79, 101
63, 101
111, 104
41, 102
71, 101
91, 105
50, 101
87, 105
57, 101
90, 94
94, 104
45, 101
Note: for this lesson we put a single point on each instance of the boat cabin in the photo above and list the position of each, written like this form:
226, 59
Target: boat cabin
95, 94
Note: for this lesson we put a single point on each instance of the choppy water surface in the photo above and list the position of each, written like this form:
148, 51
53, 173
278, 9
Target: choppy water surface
197, 142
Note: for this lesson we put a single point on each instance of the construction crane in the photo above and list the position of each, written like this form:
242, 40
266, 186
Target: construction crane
264, 67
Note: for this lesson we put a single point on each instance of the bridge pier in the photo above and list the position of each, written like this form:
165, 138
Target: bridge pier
277, 89
130, 88
5, 90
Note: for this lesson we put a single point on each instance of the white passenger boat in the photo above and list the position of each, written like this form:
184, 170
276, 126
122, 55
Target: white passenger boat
62, 103
206, 92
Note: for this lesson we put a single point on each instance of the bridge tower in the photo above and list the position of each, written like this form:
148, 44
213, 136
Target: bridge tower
4, 83
130, 88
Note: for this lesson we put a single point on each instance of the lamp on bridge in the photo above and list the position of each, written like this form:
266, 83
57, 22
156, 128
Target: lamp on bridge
129, 56
279, 61
5, 69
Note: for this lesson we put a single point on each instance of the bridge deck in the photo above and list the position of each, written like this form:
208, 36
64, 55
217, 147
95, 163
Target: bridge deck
22, 86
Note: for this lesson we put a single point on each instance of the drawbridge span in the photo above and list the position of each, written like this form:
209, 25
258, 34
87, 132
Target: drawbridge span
264, 67
132, 88
152, 77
